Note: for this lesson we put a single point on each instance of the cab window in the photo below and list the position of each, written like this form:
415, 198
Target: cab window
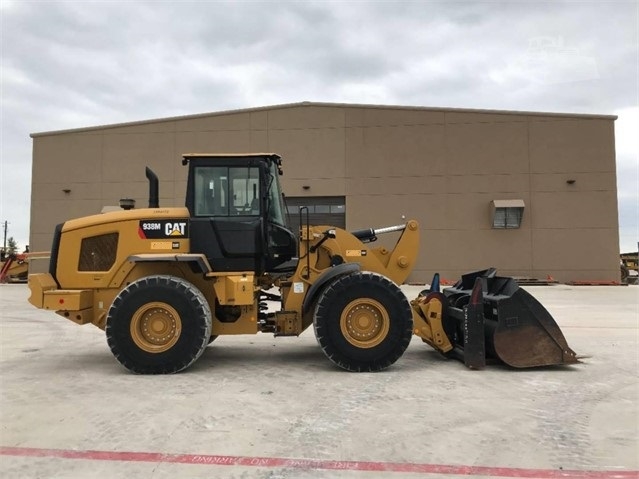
226, 191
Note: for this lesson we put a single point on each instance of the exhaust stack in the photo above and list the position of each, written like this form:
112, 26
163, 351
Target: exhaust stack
154, 188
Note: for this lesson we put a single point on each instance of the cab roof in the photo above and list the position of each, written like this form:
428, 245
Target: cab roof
229, 155
187, 157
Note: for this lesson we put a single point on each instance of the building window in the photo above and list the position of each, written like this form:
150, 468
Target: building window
507, 214
322, 210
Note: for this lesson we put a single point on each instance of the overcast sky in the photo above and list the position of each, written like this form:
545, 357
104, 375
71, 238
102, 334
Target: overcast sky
77, 64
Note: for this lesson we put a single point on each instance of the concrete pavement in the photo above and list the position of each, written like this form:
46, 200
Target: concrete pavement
264, 407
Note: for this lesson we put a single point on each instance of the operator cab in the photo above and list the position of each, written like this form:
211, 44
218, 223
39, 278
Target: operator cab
237, 212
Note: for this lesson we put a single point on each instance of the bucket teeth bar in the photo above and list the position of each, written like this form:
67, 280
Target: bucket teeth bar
473, 327
489, 317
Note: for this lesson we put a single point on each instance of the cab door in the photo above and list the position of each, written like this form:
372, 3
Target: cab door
226, 216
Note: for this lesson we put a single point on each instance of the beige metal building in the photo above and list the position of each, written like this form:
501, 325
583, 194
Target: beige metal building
533, 194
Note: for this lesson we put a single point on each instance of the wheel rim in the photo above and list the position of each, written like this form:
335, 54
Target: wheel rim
364, 323
156, 327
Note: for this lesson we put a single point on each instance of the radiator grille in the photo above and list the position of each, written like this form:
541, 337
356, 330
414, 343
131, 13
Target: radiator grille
97, 253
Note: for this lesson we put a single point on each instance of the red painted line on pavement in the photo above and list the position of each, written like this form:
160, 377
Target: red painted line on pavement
309, 464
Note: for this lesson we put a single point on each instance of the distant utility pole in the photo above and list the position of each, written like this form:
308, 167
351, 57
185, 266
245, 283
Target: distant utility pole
4, 248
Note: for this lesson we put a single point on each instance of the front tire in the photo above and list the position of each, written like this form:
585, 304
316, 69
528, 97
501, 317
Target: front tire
363, 322
158, 325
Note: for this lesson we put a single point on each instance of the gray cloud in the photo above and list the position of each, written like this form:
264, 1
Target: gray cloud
75, 64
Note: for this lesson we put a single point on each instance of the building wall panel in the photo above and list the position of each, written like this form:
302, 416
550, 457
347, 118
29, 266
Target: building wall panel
487, 148
583, 210
224, 122
473, 117
125, 155
583, 182
237, 141
567, 253
571, 146
309, 117
77, 191
316, 186
396, 185
499, 184
396, 151
259, 120
258, 140
310, 152
507, 249
380, 116
45, 215
67, 158
139, 191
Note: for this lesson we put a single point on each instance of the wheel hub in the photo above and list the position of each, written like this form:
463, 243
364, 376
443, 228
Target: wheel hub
156, 327
364, 322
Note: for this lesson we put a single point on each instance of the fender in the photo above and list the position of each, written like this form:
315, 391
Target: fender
200, 263
197, 262
324, 278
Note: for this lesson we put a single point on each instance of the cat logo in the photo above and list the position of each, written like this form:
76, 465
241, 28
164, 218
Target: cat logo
175, 229
158, 229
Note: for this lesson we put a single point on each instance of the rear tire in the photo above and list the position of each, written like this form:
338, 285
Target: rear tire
363, 322
625, 273
158, 325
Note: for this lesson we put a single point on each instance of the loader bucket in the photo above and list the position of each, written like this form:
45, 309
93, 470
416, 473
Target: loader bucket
517, 329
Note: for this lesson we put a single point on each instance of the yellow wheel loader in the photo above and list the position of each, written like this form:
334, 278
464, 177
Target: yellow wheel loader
165, 282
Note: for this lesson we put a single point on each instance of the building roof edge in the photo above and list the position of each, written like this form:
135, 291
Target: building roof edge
321, 104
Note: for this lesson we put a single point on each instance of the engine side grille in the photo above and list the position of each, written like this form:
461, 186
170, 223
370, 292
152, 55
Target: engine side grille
97, 253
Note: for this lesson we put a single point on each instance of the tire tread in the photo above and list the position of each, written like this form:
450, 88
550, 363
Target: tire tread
401, 316
196, 301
